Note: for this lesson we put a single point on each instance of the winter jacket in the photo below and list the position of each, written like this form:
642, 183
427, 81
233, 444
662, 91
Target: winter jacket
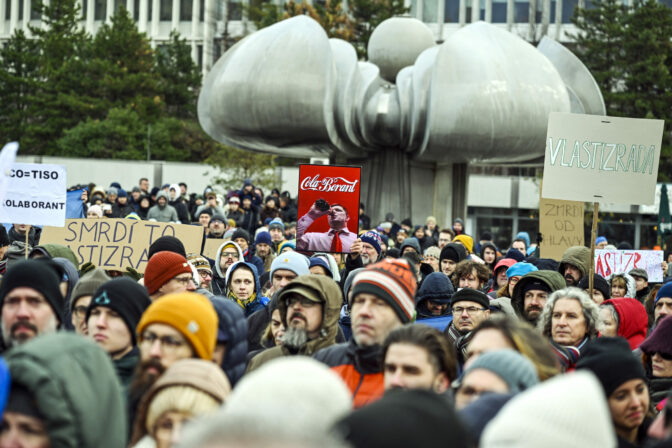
632, 320
167, 213
630, 284
359, 367
332, 299
578, 256
553, 279
73, 278
33, 236
232, 327
256, 261
259, 301
257, 323
121, 211
250, 220
436, 287
75, 389
182, 211
218, 283
237, 216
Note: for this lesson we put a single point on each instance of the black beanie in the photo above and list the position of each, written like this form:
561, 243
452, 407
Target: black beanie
515, 254
127, 298
167, 243
241, 233
41, 275
471, 295
612, 362
454, 252
599, 283
4, 238
537, 285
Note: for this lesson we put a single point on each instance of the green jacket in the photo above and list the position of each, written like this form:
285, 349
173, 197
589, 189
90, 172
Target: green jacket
75, 388
553, 279
578, 256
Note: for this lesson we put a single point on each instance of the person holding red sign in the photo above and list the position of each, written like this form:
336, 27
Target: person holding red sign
337, 239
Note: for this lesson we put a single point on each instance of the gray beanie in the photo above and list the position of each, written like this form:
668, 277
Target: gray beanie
88, 284
413, 242
641, 273
517, 371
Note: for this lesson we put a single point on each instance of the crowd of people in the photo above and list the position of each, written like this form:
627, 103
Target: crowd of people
420, 336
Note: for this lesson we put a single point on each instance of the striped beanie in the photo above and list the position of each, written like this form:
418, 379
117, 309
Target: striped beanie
394, 282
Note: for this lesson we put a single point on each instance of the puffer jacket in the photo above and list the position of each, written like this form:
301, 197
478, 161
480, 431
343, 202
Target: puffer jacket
233, 326
218, 277
578, 256
259, 301
332, 298
630, 284
75, 389
553, 279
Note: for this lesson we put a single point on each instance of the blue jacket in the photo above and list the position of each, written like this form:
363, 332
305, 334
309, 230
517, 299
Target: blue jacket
260, 301
232, 330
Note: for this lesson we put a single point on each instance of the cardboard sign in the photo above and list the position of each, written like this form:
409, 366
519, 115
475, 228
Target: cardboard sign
561, 224
593, 158
118, 243
35, 195
328, 202
608, 262
211, 246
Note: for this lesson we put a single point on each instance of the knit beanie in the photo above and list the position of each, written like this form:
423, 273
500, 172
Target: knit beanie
189, 313
410, 242
664, 292
291, 261
241, 233
433, 251
436, 287
659, 340
520, 269
276, 223
287, 243
599, 283
503, 263
263, 238
162, 267
97, 209
567, 410
641, 273
199, 262
394, 282
40, 275
316, 261
373, 239
167, 243
517, 371
515, 254
88, 284
454, 252
471, 295
612, 362
600, 239
467, 241
127, 298
536, 285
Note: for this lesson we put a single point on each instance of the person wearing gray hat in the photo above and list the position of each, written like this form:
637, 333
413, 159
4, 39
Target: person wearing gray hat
641, 283
501, 371
82, 294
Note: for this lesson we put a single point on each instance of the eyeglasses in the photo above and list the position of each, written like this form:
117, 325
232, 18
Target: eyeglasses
665, 356
183, 280
306, 303
167, 343
80, 311
230, 255
204, 273
470, 310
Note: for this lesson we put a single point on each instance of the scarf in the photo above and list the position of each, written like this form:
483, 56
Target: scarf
242, 302
568, 355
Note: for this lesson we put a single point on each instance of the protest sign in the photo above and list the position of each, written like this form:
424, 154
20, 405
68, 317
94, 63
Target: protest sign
608, 262
211, 246
328, 203
7, 158
561, 225
35, 194
601, 159
118, 243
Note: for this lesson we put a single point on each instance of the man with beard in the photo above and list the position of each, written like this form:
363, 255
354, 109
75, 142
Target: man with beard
531, 292
575, 264
662, 305
381, 300
263, 245
470, 308
111, 318
179, 326
338, 239
31, 301
309, 308
364, 251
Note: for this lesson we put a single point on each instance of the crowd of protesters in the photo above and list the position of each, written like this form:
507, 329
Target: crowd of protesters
421, 336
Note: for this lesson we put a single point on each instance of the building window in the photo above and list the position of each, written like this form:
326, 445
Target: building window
499, 11
430, 11
136, 9
521, 12
235, 11
200, 56
8, 9
149, 9
35, 11
568, 10
100, 10
166, 10
452, 11
186, 7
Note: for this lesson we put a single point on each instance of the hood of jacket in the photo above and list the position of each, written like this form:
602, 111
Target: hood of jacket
252, 267
578, 256
162, 194
219, 254
332, 299
553, 279
76, 390
57, 250
437, 287
632, 320
630, 283
233, 328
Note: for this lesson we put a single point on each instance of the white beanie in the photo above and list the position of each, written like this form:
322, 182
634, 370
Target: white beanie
566, 411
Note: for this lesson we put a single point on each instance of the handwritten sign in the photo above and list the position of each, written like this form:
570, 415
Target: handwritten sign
593, 158
608, 262
118, 243
35, 195
561, 225
211, 246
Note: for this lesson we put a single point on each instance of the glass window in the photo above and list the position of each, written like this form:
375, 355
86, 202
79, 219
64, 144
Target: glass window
499, 12
235, 11
136, 9
200, 56
201, 13
568, 10
34, 11
452, 12
20, 9
118, 4
8, 9
553, 6
521, 12
100, 10
149, 9
166, 10
430, 11
185, 10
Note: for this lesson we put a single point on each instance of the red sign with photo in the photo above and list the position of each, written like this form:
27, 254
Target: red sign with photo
328, 208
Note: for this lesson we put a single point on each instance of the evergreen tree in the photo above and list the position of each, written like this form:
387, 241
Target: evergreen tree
179, 77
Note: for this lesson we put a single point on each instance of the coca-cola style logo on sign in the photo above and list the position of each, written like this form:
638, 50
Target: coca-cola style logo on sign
328, 184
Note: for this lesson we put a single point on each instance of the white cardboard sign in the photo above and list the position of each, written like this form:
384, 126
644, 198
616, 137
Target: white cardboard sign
36, 194
608, 262
594, 158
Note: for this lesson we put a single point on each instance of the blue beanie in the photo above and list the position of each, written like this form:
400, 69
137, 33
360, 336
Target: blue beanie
276, 223
373, 239
122, 193
600, 239
292, 261
263, 238
317, 261
664, 291
520, 269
